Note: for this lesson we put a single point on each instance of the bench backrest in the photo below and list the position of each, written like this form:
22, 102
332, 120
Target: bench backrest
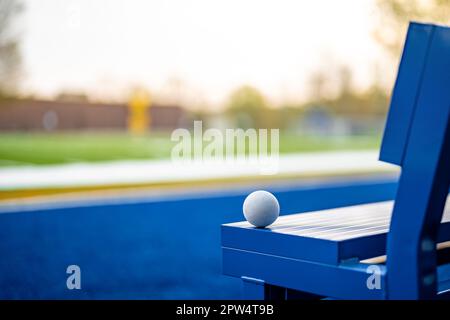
405, 94
417, 137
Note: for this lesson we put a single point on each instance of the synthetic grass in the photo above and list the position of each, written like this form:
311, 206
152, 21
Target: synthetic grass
42, 148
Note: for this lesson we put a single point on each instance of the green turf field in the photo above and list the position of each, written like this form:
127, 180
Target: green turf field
40, 148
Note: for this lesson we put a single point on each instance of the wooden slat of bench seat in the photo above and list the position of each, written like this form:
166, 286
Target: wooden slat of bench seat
323, 236
382, 259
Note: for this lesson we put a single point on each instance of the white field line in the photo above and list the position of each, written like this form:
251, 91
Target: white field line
132, 172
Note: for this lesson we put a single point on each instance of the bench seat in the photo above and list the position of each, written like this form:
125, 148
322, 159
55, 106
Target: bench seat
326, 236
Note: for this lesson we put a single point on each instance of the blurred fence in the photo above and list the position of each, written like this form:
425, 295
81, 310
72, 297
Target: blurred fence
50, 115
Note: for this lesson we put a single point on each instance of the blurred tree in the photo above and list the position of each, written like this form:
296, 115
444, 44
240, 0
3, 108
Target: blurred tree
10, 59
249, 109
348, 101
395, 15
290, 115
70, 96
345, 78
318, 83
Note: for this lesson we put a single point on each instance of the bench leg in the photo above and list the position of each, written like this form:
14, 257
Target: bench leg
256, 289
300, 295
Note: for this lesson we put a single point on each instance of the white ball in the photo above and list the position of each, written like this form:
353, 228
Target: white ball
261, 208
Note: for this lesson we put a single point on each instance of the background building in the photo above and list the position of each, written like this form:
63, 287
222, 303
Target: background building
49, 115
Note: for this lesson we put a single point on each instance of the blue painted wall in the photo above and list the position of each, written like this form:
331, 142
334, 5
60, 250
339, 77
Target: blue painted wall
166, 248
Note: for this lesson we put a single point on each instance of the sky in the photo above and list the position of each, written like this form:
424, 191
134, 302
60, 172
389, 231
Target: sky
197, 51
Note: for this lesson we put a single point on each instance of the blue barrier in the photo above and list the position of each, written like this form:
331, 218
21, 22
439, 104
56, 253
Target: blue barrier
146, 248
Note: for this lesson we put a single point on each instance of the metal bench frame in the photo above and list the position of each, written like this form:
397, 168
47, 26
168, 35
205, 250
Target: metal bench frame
417, 138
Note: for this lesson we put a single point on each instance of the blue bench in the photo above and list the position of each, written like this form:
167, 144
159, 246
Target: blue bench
388, 250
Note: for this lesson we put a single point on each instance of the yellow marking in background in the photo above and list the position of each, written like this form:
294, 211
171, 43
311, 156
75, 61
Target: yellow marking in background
119, 189
138, 112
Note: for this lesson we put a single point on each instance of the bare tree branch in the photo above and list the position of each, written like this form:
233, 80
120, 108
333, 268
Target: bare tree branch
396, 14
10, 60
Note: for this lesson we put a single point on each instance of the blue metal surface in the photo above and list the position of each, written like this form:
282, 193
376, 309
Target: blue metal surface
443, 274
343, 281
335, 234
256, 289
404, 95
253, 289
424, 181
165, 247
